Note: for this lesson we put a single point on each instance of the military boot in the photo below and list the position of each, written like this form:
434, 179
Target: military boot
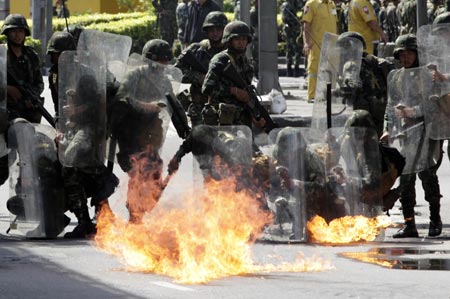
290, 73
85, 227
408, 230
435, 227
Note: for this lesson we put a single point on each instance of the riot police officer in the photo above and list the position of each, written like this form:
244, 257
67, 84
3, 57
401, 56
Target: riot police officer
370, 92
139, 121
203, 52
60, 41
406, 51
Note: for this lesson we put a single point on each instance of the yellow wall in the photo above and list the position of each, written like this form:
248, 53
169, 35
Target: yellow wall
75, 6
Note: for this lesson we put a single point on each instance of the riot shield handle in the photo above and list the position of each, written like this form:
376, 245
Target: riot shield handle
329, 124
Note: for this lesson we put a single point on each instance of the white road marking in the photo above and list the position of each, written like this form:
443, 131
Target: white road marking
172, 286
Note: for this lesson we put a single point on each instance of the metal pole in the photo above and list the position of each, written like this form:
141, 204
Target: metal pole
422, 18
4, 9
244, 11
268, 47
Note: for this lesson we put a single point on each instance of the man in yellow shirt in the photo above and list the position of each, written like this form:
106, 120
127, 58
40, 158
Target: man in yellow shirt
362, 19
319, 16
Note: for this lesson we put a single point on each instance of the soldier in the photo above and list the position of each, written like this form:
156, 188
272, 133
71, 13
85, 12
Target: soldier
24, 72
139, 121
227, 103
182, 17
407, 11
392, 21
203, 52
166, 10
59, 42
81, 138
410, 114
371, 90
291, 30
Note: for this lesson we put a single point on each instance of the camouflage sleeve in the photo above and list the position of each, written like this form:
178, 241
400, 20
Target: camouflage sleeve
214, 85
37, 84
189, 75
78, 147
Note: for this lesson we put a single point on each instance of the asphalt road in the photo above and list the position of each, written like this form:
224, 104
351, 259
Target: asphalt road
78, 269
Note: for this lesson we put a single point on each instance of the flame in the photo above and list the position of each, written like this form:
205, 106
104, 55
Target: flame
371, 258
346, 229
206, 238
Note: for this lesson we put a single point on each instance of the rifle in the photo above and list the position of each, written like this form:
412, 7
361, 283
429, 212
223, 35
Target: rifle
180, 124
35, 100
254, 106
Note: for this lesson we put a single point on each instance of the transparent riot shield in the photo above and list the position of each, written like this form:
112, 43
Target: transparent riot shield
339, 66
353, 173
221, 152
435, 55
147, 117
36, 194
297, 181
82, 122
408, 99
112, 48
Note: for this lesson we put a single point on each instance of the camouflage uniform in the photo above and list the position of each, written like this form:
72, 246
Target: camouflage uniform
371, 95
292, 31
203, 51
224, 108
407, 10
26, 69
166, 10
392, 23
342, 12
59, 42
182, 17
140, 132
87, 177
430, 182
311, 174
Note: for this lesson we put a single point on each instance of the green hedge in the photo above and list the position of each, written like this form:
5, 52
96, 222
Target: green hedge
88, 20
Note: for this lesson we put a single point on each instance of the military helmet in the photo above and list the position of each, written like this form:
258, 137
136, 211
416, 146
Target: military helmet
344, 37
157, 49
15, 21
443, 18
405, 42
215, 19
360, 119
60, 41
234, 29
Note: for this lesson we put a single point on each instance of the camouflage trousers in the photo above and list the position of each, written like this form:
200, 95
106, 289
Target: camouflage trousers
293, 51
430, 184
